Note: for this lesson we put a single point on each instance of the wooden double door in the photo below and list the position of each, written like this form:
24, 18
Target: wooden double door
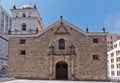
61, 71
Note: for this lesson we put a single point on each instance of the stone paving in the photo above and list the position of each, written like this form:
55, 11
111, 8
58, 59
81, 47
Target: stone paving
9, 80
6, 79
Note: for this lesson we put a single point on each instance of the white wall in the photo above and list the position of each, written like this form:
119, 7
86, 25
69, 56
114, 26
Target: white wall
31, 20
115, 63
3, 52
4, 29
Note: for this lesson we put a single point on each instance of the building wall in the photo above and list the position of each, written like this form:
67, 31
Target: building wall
111, 38
4, 26
37, 63
31, 23
32, 20
3, 54
114, 61
29, 13
5, 23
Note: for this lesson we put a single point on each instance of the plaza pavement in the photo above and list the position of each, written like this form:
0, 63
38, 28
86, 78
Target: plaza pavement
7, 80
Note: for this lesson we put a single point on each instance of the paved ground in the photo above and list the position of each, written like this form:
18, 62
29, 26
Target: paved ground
47, 81
6, 79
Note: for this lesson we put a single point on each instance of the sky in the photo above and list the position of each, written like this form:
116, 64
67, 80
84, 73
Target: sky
93, 14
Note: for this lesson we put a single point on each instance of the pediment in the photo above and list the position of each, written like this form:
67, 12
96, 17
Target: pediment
61, 30
63, 27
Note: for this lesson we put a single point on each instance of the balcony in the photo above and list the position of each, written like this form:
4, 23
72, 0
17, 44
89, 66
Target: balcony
20, 32
61, 52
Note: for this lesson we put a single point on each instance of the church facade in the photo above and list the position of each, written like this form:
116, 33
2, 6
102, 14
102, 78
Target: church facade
61, 51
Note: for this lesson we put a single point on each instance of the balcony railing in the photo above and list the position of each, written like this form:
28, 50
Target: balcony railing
20, 32
61, 53
70, 51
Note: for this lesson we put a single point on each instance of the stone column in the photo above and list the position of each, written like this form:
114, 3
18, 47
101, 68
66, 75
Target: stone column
72, 67
51, 68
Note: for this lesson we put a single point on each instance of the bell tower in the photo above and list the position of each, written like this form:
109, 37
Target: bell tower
25, 21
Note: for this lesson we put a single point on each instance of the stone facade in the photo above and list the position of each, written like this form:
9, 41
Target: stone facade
62, 51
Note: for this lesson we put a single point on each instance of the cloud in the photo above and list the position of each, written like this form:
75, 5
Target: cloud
112, 23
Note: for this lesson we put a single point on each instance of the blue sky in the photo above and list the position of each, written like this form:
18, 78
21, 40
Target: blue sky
81, 13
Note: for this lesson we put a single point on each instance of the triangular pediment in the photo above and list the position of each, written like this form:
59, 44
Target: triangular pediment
61, 30
63, 27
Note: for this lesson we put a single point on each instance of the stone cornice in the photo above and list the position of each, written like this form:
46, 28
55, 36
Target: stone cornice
56, 24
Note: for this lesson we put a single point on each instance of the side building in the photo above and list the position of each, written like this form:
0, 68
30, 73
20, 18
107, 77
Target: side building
3, 55
114, 61
61, 51
5, 24
111, 38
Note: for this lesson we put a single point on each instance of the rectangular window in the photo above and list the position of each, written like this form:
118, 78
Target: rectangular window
111, 42
2, 19
22, 41
24, 15
115, 46
119, 44
118, 73
112, 60
112, 73
23, 26
118, 52
117, 59
117, 65
95, 57
111, 37
112, 54
10, 23
95, 40
6, 26
112, 66
61, 44
23, 52
111, 46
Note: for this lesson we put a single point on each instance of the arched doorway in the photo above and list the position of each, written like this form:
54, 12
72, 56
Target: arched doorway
61, 71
